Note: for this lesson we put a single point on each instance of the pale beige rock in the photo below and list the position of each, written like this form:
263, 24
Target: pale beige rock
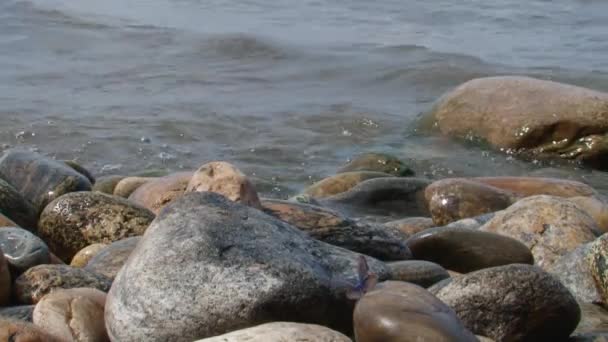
74, 315
225, 179
84, 255
126, 186
549, 226
281, 332
157, 193
19, 331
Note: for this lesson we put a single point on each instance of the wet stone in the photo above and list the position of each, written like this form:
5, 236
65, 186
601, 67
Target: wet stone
378, 162
81, 259
15, 208
466, 250
23, 249
110, 259
419, 272
79, 219
40, 280
80, 169
40, 179
341, 182
159, 192
532, 186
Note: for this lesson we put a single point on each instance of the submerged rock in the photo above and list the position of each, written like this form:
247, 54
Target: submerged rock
209, 266
79, 219
378, 162
398, 311
341, 182
522, 114
281, 332
512, 303
331, 227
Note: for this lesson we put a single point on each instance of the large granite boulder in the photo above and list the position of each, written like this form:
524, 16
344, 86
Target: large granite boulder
208, 266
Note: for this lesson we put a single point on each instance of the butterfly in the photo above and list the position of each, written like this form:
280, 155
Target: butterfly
366, 281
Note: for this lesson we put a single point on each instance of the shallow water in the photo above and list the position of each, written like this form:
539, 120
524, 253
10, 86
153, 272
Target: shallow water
287, 91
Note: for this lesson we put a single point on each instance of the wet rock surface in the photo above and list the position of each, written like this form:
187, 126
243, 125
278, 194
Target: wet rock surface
412, 225
208, 266
5, 280
109, 260
13, 207
23, 249
81, 259
419, 272
76, 220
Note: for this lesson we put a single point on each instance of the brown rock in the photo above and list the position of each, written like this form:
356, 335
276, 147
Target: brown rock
281, 332
412, 225
128, 185
341, 182
19, 331
466, 250
5, 281
159, 192
79, 219
378, 162
419, 272
6, 222
512, 303
73, 315
80, 169
549, 226
401, 312
109, 260
595, 208
225, 179
531, 186
83, 256
525, 114
107, 184
453, 199
40, 280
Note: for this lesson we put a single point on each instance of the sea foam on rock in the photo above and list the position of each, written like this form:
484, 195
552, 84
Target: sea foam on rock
209, 266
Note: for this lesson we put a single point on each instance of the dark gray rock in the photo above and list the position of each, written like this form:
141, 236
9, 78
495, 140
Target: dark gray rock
465, 250
23, 249
111, 258
80, 169
329, 226
207, 266
76, 220
40, 179
19, 313
419, 272
513, 303
574, 272
17, 208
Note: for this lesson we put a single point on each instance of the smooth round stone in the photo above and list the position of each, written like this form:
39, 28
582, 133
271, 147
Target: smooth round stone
81, 259
550, 226
23, 249
341, 182
128, 185
453, 199
597, 209
79, 219
19, 331
18, 313
594, 319
402, 312
412, 225
597, 259
5, 281
80, 169
40, 179
110, 259
6, 222
16, 208
419, 272
208, 266
574, 271
378, 162
386, 196
73, 315
512, 303
532, 186
467, 250
40, 280
331, 227
281, 332
159, 192
107, 184
225, 179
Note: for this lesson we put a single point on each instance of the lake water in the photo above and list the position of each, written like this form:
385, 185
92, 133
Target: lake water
287, 90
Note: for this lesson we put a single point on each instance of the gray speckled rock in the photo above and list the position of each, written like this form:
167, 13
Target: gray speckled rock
157, 193
465, 250
412, 225
329, 226
549, 226
107, 184
402, 312
40, 179
396, 197
208, 266
419, 272
23, 249
79, 219
281, 332
574, 272
17, 208
378, 162
111, 258
42, 279
513, 303
18, 313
